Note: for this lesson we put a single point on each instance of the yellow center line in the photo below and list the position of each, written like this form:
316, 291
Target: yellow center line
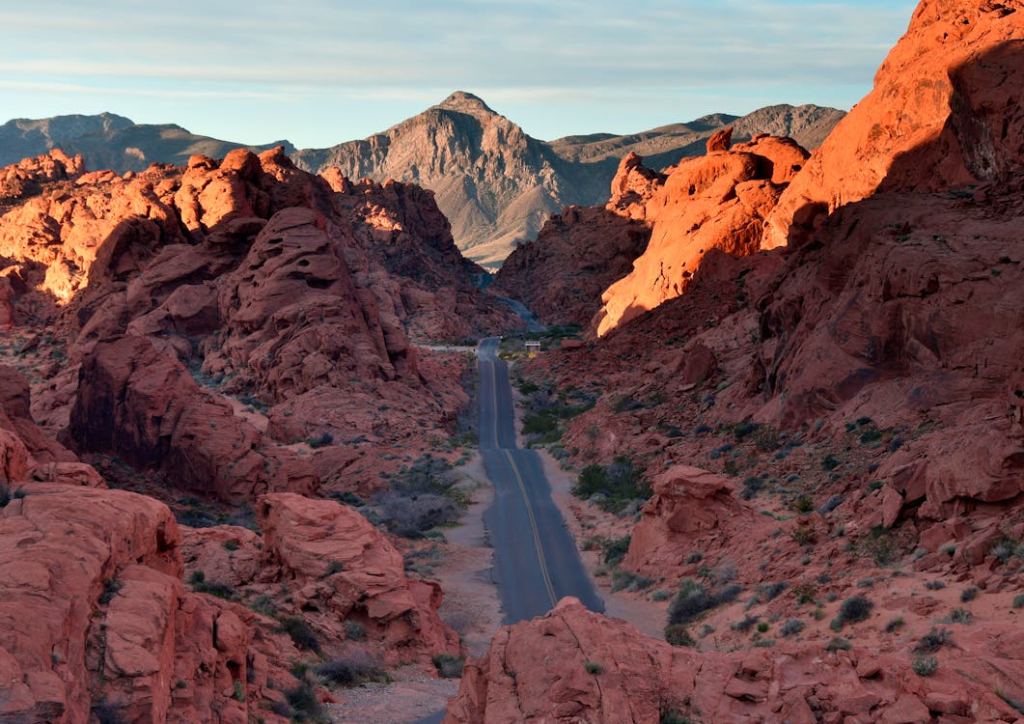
522, 488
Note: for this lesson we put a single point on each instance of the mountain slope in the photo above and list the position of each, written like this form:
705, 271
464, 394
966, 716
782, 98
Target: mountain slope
496, 184
109, 141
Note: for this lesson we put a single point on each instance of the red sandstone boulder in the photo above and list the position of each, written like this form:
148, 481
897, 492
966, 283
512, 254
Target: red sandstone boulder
340, 568
573, 665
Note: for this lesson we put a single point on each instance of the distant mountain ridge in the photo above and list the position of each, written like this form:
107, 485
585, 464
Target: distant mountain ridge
496, 184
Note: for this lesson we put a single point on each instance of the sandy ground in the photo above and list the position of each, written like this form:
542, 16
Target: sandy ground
471, 607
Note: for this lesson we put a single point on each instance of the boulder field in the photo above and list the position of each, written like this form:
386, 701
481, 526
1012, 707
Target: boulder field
97, 621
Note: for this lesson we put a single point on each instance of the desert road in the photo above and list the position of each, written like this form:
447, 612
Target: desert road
535, 558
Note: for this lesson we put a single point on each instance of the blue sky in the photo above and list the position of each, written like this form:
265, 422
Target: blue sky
318, 72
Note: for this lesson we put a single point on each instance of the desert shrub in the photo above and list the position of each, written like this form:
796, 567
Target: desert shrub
537, 423
769, 591
351, 670
829, 463
355, 630
619, 483
301, 633
630, 581
110, 588
615, 550
879, 546
838, 644
895, 625
678, 634
745, 624
853, 610
661, 595
831, 504
935, 585
792, 627
412, 516
751, 487
694, 599
322, 440
802, 504
695, 557
934, 640
969, 594
239, 691
1018, 601
265, 605
672, 717
1013, 703
593, 668
449, 667
805, 593
213, 588
959, 615
925, 665
304, 704
5, 494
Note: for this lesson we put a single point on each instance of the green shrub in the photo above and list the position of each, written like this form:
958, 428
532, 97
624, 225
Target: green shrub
593, 668
449, 667
352, 670
619, 483
895, 625
694, 599
323, 440
678, 634
838, 644
925, 665
301, 633
615, 550
355, 630
934, 640
213, 588
305, 705
853, 610
1018, 601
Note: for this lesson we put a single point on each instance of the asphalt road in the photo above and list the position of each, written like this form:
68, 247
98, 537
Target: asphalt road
535, 558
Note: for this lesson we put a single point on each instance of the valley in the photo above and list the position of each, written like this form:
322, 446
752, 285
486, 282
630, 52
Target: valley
735, 434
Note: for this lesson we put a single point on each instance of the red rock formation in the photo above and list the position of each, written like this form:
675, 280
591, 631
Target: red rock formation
944, 113
718, 201
573, 665
346, 570
186, 259
146, 408
93, 612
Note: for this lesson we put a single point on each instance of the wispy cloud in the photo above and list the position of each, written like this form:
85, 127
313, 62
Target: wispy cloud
397, 53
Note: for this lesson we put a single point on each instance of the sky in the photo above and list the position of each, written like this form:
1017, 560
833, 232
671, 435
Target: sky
319, 72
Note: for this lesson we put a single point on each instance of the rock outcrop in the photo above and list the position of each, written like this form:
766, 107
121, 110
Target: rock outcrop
718, 201
262, 283
573, 665
944, 113
95, 618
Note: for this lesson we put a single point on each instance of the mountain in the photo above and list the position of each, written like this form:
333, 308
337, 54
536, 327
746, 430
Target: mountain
496, 184
109, 141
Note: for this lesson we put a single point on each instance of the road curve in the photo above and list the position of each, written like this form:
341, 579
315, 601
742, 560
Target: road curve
535, 558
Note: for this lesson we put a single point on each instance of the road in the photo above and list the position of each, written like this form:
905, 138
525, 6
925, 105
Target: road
535, 558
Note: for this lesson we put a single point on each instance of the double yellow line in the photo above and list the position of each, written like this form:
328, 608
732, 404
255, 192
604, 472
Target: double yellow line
522, 487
